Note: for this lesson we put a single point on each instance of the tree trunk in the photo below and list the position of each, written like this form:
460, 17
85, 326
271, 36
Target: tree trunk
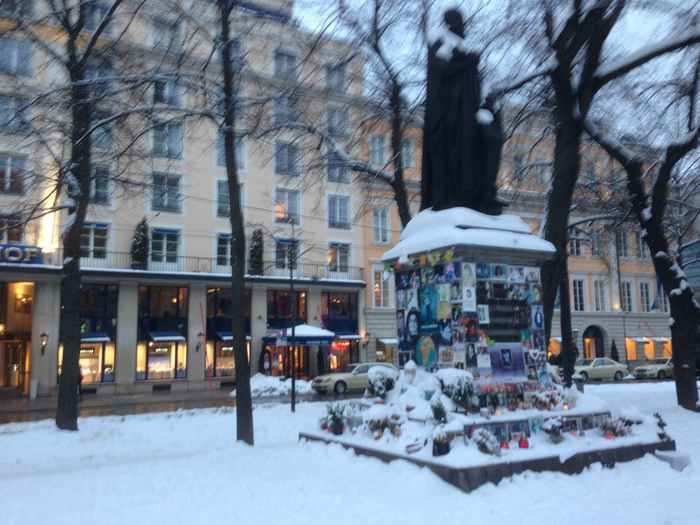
555, 272
79, 173
399, 183
244, 402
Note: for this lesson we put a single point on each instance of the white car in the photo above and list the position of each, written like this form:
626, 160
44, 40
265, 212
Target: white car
654, 369
602, 368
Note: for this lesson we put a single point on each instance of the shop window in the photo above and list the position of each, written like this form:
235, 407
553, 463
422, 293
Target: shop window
161, 360
96, 362
339, 312
162, 309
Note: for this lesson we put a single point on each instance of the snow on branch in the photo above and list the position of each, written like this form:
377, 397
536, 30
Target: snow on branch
621, 67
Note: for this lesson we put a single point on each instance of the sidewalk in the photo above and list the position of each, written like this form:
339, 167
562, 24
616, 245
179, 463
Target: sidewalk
23, 409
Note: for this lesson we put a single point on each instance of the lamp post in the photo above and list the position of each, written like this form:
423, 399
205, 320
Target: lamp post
44, 339
292, 255
201, 341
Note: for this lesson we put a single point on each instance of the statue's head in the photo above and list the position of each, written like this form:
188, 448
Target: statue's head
454, 21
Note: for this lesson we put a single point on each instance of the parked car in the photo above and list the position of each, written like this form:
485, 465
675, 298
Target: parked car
654, 369
352, 378
602, 368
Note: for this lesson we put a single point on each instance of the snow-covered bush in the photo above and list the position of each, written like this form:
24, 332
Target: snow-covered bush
618, 426
335, 414
552, 427
438, 409
458, 385
381, 379
378, 418
486, 442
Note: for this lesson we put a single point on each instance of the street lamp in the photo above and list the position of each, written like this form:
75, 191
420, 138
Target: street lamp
44, 339
201, 341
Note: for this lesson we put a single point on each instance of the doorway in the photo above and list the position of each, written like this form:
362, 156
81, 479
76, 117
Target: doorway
14, 368
593, 342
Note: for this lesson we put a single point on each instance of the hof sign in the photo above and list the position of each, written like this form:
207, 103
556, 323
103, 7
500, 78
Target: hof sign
22, 254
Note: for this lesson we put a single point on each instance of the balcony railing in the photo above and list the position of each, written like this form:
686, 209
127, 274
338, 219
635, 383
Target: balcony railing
190, 264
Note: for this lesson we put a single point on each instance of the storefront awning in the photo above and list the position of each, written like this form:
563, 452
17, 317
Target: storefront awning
389, 341
303, 334
557, 339
162, 337
349, 337
94, 337
660, 339
228, 336
641, 340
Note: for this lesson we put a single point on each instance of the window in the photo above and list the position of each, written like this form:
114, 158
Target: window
337, 169
285, 65
596, 244
223, 249
335, 78
166, 35
15, 57
164, 245
381, 288
167, 140
13, 115
223, 203
99, 185
166, 92
339, 212
380, 218
601, 304
102, 136
338, 257
621, 244
286, 253
575, 245
338, 122
166, 192
12, 174
644, 296
579, 304
93, 240
17, 8
642, 248
408, 153
286, 159
279, 308
518, 165
339, 311
10, 230
94, 13
376, 150
626, 296
285, 111
662, 298
287, 206
221, 152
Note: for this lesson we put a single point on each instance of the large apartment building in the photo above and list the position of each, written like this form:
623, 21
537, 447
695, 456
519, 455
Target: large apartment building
164, 322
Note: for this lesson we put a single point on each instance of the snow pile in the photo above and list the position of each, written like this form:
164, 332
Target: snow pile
430, 230
268, 386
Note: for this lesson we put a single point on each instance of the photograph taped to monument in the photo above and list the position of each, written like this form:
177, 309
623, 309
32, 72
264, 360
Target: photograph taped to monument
508, 362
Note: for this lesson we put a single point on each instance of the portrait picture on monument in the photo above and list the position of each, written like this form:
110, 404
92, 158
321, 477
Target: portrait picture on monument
400, 324
508, 361
516, 274
428, 301
498, 291
537, 317
456, 313
455, 292
499, 272
469, 299
411, 330
453, 272
483, 312
483, 291
483, 271
470, 322
471, 355
532, 274
468, 274
443, 292
445, 330
426, 352
407, 279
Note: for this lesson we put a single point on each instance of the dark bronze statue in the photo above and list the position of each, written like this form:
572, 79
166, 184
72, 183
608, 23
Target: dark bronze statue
462, 140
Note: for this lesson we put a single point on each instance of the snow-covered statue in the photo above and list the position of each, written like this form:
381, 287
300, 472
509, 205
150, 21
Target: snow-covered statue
462, 139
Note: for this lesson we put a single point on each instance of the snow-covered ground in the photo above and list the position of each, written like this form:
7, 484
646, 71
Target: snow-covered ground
185, 468
268, 386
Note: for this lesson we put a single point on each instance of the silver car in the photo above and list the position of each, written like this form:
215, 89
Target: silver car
654, 369
353, 378
602, 368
